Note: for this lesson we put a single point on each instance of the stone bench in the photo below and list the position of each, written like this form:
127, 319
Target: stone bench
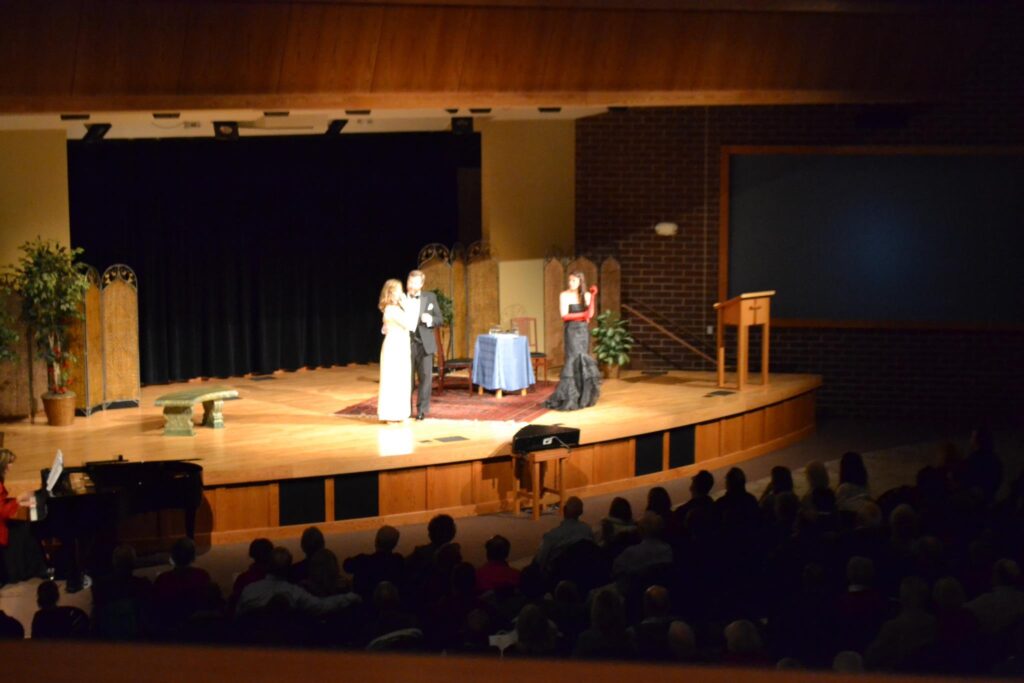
178, 409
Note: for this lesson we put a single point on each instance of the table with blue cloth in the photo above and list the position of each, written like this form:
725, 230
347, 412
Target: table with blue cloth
501, 362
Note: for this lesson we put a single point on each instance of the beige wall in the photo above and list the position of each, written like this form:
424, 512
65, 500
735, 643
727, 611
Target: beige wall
521, 293
528, 185
33, 189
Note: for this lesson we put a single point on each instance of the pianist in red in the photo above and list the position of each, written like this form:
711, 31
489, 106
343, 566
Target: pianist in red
8, 506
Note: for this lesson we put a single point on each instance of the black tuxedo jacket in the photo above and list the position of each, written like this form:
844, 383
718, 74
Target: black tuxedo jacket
425, 333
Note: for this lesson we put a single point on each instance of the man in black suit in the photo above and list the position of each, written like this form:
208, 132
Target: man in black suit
423, 344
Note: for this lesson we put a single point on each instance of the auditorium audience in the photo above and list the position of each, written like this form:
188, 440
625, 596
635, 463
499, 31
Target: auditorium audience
10, 628
571, 530
383, 564
57, 622
923, 579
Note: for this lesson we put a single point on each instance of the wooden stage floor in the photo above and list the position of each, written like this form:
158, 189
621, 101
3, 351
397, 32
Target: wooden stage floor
286, 428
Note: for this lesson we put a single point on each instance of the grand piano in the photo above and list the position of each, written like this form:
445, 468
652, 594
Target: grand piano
87, 504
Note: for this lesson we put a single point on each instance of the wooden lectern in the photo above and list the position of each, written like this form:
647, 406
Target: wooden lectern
743, 311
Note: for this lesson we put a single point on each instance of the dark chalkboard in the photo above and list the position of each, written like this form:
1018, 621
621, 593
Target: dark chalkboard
889, 237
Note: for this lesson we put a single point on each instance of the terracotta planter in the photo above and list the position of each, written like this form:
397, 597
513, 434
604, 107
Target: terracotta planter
60, 408
610, 371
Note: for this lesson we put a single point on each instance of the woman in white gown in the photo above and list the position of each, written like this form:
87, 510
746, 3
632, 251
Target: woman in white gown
394, 398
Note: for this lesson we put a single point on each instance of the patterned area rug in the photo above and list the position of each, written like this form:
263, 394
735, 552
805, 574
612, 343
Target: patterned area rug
456, 403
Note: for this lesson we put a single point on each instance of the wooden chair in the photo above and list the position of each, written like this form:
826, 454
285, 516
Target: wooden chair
539, 358
446, 365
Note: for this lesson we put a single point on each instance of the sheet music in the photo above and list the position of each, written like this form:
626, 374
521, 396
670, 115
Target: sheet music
55, 471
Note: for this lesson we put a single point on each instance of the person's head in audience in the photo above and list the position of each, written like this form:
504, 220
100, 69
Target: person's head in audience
782, 480
789, 664
448, 555
312, 540
735, 481
534, 633
621, 510
681, 641
386, 597
441, 530
903, 523
948, 595
123, 560
848, 662
1006, 573
260, 551
657, 604
852, 470
183, 553
659, 501
607, 612
280, 562
701, 484
823, 501
860, 571
651, 525
573, 508
324, 572
531, 583
498, 549
386, 539
816, 475
914, 593
566, 593
47, 594
742, 639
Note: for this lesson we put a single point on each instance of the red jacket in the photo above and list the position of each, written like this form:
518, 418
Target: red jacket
8, 508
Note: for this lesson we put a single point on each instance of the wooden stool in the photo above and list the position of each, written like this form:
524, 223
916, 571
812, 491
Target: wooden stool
536, 462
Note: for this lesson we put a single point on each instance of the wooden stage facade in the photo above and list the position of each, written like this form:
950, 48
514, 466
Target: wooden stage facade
285, 460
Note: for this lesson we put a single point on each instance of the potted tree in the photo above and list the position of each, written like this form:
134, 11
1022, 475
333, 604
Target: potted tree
8, 332
52, 285
612, 343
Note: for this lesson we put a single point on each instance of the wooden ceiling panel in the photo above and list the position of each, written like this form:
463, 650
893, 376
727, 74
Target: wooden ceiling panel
131, 47
232, 48
37, 46
421, 49
507, 47
331, 48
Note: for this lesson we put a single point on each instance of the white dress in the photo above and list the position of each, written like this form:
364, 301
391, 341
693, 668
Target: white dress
394, 398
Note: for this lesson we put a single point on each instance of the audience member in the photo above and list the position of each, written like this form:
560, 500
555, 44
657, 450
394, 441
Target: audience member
660, 503
607, 637
276, 586
700, 496
181, 591
120, 601
324, 575
383, 564
650, 636
781, 482
903, 639
495, 573
571, 530
1002, 607
56, 622
10, 628
682, 643
618, 524
651, 552
853, 483
260, 551
312, 541
535, 635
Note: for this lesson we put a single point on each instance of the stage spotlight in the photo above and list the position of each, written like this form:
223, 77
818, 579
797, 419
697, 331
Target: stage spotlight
357, 112
549, 110
480, 110
94, 132
617, 109
225, 130
335, 126
452, 110
74, 117
462, 125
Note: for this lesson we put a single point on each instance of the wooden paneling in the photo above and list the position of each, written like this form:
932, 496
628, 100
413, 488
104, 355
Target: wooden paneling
403, 491
120, 313
330, 47
491, 480
449, 485
776, 421
579, 468
708, 441
460, 324
117, 54
483, 309
614, 460
244, 507
753, 428
131, 47
85, 341
731, 437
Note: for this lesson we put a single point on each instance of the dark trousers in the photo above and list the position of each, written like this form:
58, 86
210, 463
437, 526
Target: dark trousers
423, 372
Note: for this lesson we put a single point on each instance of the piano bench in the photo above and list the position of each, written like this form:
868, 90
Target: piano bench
178, 408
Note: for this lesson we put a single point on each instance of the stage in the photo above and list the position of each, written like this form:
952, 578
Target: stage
285, 459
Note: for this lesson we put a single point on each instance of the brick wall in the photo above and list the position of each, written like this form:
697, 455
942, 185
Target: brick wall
641, 166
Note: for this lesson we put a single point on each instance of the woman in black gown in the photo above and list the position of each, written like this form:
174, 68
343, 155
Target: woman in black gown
580, 382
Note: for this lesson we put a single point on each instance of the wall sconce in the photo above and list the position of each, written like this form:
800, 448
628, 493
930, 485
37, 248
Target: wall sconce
666, 229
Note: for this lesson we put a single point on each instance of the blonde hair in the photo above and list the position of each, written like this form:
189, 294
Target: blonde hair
7, 458
387, 293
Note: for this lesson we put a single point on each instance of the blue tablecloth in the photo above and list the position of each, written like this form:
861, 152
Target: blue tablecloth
502, 361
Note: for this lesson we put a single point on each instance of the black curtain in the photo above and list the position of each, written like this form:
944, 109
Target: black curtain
263, 253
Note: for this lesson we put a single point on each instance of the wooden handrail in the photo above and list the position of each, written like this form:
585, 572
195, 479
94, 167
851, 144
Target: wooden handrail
668, 333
